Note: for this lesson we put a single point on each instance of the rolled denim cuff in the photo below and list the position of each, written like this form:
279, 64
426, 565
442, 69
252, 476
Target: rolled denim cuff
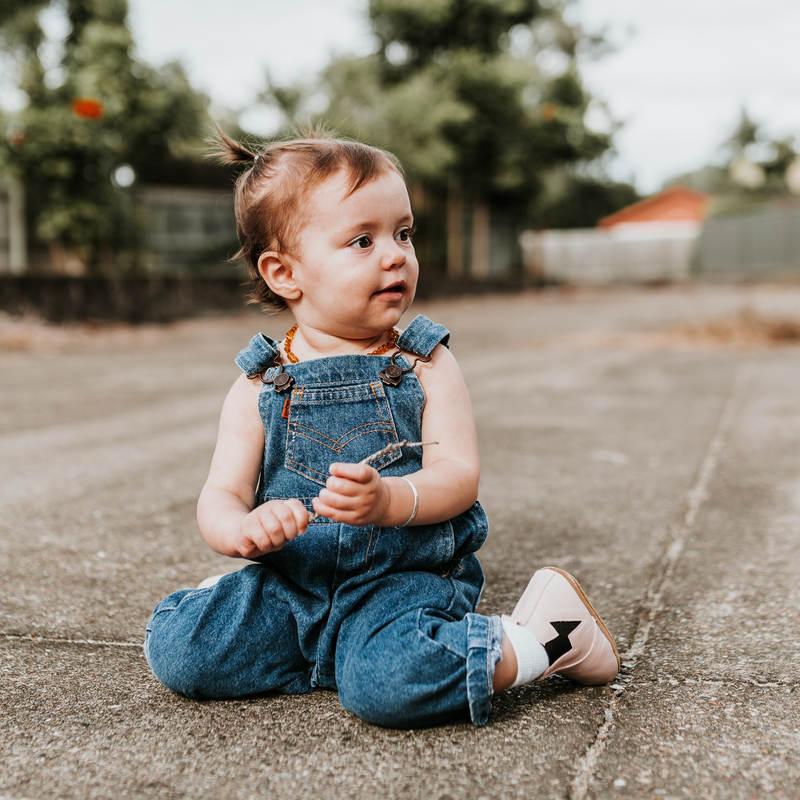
484, 643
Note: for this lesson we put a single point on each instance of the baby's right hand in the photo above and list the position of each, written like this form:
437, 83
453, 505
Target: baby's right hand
270, 526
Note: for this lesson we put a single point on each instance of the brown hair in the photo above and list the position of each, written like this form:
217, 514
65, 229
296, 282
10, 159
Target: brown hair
267, 196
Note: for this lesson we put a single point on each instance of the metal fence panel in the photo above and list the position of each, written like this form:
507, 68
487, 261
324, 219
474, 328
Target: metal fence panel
760, 243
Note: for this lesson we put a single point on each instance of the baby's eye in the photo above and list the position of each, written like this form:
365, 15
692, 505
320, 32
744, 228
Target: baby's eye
362, 243
406, 234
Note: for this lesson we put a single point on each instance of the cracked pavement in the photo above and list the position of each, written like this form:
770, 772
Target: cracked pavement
662, 469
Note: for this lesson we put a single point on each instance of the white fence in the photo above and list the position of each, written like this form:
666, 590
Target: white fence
635, 252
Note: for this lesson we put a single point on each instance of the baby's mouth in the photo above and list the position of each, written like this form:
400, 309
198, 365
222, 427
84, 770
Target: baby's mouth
393, 288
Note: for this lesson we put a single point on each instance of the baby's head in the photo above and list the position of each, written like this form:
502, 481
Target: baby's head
269, 196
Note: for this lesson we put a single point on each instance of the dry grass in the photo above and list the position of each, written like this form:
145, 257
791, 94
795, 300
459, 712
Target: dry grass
28, 333
747, 329
31, 334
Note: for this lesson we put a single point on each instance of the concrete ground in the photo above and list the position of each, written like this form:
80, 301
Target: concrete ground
648, 441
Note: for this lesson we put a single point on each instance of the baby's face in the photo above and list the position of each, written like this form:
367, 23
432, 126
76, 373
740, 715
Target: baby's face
356, 266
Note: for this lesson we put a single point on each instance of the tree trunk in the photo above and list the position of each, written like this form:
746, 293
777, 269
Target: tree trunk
480, 240
455, 232
17, 233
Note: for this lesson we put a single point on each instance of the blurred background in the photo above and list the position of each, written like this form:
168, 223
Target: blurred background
585, 142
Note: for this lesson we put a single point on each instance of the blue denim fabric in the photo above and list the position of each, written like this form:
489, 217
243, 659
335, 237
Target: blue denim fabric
382, 615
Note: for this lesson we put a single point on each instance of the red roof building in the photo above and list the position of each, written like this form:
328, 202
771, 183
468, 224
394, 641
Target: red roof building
674, 204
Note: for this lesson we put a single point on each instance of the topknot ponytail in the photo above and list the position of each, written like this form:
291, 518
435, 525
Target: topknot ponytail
228, 151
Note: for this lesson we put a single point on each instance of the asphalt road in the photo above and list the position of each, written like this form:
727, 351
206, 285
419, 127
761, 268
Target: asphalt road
655, 461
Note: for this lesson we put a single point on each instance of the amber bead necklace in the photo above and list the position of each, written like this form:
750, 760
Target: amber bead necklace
379, 350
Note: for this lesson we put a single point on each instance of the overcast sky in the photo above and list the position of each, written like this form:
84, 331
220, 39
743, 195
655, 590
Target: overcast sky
682, 71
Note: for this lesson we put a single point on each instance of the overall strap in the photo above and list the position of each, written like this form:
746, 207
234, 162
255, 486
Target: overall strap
422, 335
258, 355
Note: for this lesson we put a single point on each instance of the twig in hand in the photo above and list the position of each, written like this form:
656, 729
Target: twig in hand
390, 448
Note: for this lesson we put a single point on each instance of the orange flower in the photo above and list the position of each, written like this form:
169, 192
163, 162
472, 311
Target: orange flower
549, 111
88, 108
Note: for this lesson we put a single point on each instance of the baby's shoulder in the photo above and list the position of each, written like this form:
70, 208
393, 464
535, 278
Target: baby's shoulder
241, 402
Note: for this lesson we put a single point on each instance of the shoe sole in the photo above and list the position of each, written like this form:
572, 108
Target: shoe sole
590, 608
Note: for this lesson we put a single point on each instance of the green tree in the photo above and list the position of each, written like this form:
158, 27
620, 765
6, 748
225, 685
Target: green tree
462, 92
751, 167
106, 111
574, 200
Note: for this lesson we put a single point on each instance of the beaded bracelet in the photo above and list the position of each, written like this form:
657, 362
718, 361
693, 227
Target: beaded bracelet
416, 502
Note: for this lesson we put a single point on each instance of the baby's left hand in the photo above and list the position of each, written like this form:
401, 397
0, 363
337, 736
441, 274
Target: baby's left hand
354, 494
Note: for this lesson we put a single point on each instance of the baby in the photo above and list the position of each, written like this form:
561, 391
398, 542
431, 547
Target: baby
346, 467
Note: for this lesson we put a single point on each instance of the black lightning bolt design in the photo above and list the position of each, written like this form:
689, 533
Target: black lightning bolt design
560, 644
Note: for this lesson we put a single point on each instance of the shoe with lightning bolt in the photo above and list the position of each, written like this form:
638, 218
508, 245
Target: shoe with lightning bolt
555, 609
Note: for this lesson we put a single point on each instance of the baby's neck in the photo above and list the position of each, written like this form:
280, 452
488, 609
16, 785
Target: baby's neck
309, 342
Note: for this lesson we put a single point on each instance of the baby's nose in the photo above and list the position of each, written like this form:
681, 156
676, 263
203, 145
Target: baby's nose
393, 255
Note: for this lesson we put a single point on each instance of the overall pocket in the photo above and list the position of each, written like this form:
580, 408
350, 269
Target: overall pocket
338, 423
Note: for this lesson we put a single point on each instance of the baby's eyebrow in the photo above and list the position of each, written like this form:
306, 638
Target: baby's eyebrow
369, 224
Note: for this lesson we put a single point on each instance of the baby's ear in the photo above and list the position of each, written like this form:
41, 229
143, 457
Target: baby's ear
278, 274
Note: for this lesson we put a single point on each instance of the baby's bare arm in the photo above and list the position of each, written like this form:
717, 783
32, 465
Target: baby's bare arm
225, 514
448, 481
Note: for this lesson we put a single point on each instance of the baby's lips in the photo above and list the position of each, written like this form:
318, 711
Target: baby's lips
397, 286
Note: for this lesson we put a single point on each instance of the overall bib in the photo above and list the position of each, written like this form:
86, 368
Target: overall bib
382, 615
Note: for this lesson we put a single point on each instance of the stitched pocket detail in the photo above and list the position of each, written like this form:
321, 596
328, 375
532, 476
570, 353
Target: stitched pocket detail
338, 423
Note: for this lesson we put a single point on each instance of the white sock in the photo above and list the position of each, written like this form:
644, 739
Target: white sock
532, 658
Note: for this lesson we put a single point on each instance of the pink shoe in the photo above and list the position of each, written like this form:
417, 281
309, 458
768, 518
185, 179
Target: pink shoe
555, 609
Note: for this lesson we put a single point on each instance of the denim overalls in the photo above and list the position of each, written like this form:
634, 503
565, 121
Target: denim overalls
382, 615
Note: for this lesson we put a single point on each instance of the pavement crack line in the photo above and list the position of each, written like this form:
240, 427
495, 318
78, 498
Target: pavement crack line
730, 682
652, 603
23, 637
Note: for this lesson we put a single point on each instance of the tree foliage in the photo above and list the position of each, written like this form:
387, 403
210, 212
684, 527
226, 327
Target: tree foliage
466, 94
751, 166
102, 109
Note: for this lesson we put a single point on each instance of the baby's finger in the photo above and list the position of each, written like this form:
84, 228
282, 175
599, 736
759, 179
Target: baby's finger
344, 486
272, 527
285, 517
342, 502
360, 473
300, 514
325, 510
254, 533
